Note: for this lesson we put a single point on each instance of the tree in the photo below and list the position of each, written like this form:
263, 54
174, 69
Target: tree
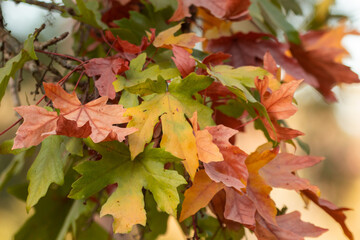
139, 124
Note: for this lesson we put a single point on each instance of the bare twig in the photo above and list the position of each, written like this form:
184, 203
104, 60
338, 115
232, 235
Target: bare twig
48, 6
53, 41
14, 93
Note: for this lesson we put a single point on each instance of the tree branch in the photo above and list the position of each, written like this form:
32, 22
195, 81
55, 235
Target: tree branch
49, 6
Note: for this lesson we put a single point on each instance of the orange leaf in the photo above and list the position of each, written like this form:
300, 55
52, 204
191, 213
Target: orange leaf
199, 194
257, 189
289, 227
228, 9
206, 149
100, 116
183, 61
232, 171
335, 212
166, 39
37, 121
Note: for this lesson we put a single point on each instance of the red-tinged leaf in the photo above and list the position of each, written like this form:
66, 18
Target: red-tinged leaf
183, 61
335, 212
229, 9
321, 64
217, 206
239, 208
250, 49
37, 121
278, 103
279, 172
289, 227
230, 122
281, 133
271, 66
126, 47
213, 60
166, 39
199, 194
107, 69
100, 116
70, 128
118, 10
217, 91
232, 171
257, 189
206, 149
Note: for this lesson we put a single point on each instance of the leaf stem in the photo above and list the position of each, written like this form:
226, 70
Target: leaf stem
60, 55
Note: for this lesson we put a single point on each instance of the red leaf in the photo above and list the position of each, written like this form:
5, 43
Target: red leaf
228, 9
289, 227
107, 69
281, 133
69, 128
239, 208
97, 114
232, 171
183, 61
213, 60
335, 212
279, 171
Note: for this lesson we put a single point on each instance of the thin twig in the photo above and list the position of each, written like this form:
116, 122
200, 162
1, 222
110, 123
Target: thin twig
14, 93
48, 6
53, 41
60, 55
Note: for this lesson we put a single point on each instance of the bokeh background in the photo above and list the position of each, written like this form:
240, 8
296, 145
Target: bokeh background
332, 131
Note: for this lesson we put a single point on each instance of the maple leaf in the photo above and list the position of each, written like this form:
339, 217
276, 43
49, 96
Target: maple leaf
136, 75
289, 227
37, 121
107, 69
257, 189
171, 107
250, 49
96, 113
146, 170
166, 39
284, 164
232, 171
199, 194
335, 212
183, 61
229, 9
320, 55
206, 149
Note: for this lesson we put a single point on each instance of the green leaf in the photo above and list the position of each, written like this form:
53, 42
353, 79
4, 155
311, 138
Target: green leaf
136, 75
94, 232
15, 166
46, 169
276, 17
5, 148
291, 5
16, 63
128, 99
46, 223
74, 146
76, 210
149, 87
232, 108
126, 204
153, 229
161, 4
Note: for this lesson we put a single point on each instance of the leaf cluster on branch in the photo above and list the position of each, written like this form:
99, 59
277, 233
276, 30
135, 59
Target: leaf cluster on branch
140, 123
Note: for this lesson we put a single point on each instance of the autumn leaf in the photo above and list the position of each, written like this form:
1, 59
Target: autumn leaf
337, 213
171, 107
257, 189
126, 204
183, 61
284, 164
232, 171
166, 39
96, 113
320, 55
107, 69
206, 149
289, 227
229, 9
199, 194
37, 121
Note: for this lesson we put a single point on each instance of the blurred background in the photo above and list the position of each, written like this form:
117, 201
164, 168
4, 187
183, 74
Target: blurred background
332, 130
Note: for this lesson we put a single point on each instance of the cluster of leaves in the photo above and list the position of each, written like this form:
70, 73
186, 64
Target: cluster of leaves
159, 139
